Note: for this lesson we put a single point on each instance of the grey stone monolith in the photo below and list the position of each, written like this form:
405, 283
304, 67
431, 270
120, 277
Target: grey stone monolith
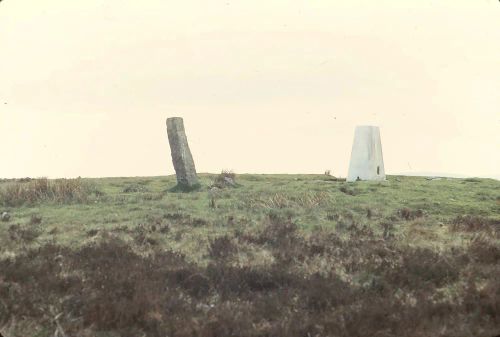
367, 162
181, 155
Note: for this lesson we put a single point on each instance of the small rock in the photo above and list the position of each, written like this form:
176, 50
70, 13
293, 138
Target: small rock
229, 181
5, 217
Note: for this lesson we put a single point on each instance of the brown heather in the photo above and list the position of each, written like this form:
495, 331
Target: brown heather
108, 287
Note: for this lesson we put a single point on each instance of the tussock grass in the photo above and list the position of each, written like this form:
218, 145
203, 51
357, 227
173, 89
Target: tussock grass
282, 200
45, 190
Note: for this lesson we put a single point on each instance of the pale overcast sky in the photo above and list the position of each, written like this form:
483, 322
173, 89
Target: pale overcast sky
268, 86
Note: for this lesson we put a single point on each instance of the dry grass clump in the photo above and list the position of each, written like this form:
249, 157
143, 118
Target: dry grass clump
311, 200
43, 189
277, 200
282, 200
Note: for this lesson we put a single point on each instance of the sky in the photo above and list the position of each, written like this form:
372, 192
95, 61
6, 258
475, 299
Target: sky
269, 86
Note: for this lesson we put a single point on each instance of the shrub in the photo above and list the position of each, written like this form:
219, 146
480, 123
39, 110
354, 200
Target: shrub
484, 250
410, 214
35, 220
222, 248
24, 233
470, 223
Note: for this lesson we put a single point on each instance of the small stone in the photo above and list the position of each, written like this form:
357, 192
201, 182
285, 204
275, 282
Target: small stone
229, 181
5, 217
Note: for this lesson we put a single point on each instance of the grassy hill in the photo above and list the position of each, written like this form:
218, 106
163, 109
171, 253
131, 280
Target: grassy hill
276, 255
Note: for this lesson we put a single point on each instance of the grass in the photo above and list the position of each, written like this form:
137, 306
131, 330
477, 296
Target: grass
280, 255
31, 191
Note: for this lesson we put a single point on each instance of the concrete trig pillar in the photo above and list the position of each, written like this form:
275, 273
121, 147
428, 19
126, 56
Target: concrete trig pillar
367, 162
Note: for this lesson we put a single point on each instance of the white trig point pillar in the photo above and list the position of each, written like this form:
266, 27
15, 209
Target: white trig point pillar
367, 162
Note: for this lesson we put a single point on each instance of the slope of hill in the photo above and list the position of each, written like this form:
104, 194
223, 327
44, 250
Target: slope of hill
273, 255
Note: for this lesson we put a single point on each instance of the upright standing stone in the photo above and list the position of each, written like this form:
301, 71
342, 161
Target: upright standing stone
367, 162
181, 155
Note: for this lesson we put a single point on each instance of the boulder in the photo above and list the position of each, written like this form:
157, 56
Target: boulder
5, 217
